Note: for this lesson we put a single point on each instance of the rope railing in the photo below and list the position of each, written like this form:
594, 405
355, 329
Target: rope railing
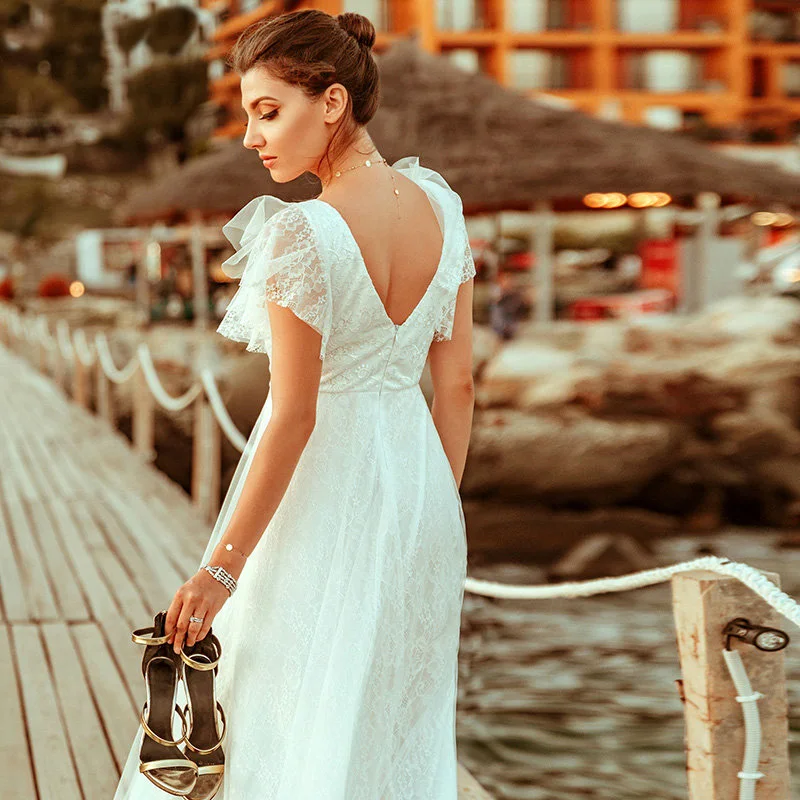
74, 347
232, 433
163, 398
118, 376
64, 340
87, 353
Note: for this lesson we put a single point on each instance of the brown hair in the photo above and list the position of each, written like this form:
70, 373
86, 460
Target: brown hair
312, 50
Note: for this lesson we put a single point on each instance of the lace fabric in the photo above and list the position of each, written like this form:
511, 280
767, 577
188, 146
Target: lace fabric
340, 646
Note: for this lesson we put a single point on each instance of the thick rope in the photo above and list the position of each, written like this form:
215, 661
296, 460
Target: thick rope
115, 375
86, 353
232, 433
156, 387
65, 341
748, 575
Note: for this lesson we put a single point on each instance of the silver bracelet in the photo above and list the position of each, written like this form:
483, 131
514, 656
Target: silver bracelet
223, 576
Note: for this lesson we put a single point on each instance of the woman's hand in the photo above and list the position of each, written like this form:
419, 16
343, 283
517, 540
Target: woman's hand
201, 596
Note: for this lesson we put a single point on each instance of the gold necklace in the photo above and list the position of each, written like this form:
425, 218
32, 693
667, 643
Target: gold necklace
369, 163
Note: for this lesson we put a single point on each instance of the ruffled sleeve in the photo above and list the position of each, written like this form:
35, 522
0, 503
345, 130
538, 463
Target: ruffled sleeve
462, 270
277, 259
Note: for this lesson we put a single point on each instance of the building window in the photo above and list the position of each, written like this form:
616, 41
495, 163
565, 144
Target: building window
539, 70
377, 11
459, 15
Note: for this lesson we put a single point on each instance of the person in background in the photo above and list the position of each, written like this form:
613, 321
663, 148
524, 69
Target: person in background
505, 306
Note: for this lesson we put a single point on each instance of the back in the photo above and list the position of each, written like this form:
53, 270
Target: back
309, 259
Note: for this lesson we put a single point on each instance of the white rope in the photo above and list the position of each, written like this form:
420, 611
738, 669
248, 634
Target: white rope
87, 354
45, 337
64, 341
749, 576
232, 433
156, 387
115, 375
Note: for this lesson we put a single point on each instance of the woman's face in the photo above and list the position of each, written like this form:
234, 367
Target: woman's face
286, 124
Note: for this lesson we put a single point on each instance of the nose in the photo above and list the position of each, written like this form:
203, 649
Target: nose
251, 140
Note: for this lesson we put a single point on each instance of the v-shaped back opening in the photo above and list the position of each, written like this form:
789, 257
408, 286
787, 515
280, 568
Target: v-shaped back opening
438, 213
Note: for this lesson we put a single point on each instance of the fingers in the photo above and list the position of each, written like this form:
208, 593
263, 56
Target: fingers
172, 614
182, 627
195, 628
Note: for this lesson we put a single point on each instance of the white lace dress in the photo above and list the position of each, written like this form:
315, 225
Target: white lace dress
339, 666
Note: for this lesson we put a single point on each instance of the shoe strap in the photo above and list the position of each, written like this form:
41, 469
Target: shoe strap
202, 665
188, 711
138, 636
210, 769
146, 766
153, 735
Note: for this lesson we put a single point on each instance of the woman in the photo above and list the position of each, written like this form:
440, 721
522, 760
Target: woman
344, 523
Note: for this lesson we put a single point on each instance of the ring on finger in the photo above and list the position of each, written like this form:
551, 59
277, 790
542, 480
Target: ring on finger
199, 620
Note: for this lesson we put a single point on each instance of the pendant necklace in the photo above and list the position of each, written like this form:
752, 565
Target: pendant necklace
369, 163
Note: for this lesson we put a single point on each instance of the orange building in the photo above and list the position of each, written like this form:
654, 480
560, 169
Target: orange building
727, 69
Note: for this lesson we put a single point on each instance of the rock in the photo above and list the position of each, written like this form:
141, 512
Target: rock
756, 433
517, 455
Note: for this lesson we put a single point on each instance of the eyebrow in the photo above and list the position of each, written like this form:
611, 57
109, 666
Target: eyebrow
255, 102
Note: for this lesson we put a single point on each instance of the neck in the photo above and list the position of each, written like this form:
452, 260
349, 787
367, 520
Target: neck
355, 155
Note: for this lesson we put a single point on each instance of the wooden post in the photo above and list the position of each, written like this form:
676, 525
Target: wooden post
199, 275
206, 460
543, 248
143, 284
105, 405
703, 604
80, 388
694, 280
143, 422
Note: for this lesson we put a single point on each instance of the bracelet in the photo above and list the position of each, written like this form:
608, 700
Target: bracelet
223, 576
230, 548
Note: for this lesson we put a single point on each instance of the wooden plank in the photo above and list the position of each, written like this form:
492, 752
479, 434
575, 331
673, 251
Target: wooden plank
469, 788
63, 575
101, 602
15, 604
117, 708
704, 603
17, 783
41, 603
52, 760
95, 766
104, 524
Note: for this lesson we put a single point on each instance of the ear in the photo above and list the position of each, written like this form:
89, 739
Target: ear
335, 102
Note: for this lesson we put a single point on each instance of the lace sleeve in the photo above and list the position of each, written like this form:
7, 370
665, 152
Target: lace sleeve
284, 266
463, 270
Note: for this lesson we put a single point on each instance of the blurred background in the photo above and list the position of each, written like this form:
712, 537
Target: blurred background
630, 172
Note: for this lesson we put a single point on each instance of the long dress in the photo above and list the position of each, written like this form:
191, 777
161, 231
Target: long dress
340, 646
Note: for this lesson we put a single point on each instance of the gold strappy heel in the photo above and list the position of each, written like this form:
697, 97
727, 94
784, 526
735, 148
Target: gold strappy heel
204, 740
160, 760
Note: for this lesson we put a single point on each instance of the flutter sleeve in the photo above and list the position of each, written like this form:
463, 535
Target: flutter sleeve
461, 269
278, 259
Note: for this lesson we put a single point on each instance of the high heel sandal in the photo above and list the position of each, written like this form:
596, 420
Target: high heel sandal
204, 740
160, 760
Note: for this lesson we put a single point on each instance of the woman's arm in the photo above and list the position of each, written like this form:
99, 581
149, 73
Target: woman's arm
453, 388
295, 372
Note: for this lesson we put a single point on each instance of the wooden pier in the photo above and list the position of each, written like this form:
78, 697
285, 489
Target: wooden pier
85, 522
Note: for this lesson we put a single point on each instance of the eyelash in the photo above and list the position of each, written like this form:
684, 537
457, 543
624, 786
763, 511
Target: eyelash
269, 116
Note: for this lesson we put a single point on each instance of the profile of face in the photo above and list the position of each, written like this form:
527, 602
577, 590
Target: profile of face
286, 125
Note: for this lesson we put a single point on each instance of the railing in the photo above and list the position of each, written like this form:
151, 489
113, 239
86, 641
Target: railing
91, 361
715, 600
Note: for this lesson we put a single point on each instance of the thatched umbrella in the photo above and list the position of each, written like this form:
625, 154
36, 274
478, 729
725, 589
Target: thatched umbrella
501, 151
497, 149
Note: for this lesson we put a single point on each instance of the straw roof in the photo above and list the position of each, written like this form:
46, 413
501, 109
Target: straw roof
497, 149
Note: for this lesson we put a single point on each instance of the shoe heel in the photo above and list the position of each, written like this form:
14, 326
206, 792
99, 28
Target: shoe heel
160, 759
205, 737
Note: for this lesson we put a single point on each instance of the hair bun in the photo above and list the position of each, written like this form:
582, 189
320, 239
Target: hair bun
357, 26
